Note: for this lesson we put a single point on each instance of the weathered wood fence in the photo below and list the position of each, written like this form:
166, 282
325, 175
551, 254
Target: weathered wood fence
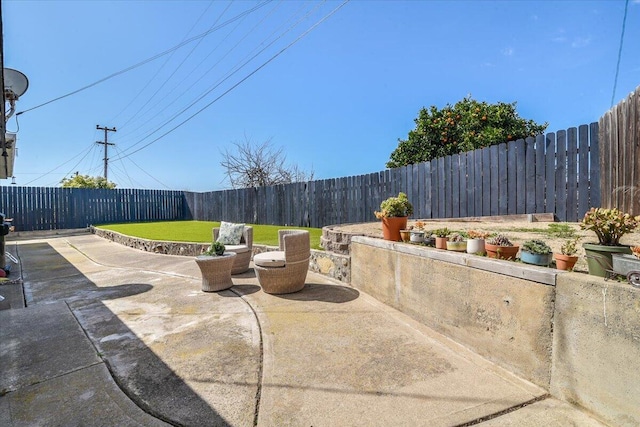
556, 173
36, 208
620, 155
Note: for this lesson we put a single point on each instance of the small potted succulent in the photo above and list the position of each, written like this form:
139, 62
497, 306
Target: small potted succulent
567, 258
536, 252
216, 249
456, 243
475, 242
609, 225
442, 235
501, 247
394, 212
417, 232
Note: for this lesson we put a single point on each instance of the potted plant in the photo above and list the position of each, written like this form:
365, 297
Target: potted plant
456, 243
216, 249
536, 252
442, 235
393, 213
501, 247
609, 225
475, 242
567, 258
215, 266
405, 234
417, 232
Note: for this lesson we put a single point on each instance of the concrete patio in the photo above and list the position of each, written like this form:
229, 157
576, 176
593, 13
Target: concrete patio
116, 336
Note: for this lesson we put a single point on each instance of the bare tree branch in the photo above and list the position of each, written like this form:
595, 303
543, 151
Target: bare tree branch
259, 165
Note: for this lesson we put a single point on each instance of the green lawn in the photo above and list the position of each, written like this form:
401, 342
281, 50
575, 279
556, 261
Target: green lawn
200, 231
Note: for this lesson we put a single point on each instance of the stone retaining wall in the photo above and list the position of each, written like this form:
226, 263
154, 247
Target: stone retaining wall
335, 266
336, 241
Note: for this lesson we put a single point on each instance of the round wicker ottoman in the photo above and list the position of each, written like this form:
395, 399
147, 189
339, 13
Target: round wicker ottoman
216, 271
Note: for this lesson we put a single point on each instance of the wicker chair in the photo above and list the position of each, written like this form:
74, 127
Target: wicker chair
284, 271
243, 250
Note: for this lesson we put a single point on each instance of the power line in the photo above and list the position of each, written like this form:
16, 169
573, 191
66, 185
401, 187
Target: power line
146, 61
59, 166
184, 91
300, 37
165, 63
615, 80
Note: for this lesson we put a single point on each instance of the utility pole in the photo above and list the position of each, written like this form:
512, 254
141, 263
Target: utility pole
106, 144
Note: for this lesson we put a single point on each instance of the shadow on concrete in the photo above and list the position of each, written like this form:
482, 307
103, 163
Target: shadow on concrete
144, 377
241, 290
324, 293
249, 274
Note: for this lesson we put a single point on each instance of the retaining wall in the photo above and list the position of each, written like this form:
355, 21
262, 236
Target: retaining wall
596, 347
575, 335
491, 307
335, 266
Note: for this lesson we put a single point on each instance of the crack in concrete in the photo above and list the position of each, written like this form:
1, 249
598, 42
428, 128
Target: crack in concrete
504, 411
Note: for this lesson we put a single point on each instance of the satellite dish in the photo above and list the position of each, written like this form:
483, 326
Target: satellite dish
15, 83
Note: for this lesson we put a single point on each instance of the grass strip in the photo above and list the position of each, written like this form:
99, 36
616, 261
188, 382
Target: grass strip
200, 231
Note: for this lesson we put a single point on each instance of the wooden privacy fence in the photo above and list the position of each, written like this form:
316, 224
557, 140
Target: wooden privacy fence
554, 173
620, 155
35, 208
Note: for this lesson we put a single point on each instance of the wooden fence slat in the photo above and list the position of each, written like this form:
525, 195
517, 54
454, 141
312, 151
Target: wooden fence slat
477, 189
486, 181
471, 184
448, 190
440, 187
428, 190
530, 175
521, 189
494, 205
561, 175
572, 175
464, 185
540, 174
550, 173
503, 176
455, 187
512, 177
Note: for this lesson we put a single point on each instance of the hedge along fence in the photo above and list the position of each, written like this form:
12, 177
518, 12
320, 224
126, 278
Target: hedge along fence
554, 173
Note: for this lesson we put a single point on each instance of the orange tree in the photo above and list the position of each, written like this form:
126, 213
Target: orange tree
465, 126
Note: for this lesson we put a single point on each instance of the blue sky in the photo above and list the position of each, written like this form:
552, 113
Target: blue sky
336, 101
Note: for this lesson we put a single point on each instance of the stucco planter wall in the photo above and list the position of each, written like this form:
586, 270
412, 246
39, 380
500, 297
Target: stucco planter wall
596, 347
502, 310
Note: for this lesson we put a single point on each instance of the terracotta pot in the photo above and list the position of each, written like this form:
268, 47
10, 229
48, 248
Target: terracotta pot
391, 227
501, 252
405, 235
441, 242
565, 262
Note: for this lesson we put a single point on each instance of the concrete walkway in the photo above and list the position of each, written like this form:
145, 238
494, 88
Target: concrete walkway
116, 336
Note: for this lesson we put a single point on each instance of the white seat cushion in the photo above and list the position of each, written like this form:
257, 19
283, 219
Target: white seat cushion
239, 249
269, 259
